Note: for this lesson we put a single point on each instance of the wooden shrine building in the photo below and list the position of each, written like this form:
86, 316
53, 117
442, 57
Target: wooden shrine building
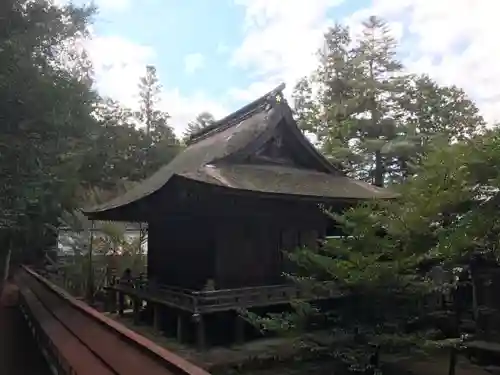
220, 213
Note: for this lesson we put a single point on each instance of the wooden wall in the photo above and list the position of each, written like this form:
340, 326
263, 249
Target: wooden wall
235, 240
249, 249
247, 253
181, 252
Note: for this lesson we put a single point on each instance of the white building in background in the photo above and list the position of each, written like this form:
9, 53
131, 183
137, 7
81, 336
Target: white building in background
68, 241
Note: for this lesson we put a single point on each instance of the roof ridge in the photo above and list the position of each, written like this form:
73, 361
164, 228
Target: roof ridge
237, 116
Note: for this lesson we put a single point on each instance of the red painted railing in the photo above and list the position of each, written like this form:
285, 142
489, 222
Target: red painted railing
77, 339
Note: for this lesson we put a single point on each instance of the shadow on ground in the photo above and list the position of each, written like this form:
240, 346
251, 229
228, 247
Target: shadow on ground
19, 354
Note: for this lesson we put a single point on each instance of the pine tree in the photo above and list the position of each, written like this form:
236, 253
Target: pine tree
366, 113
431, 114
353, 112
446, 213
203, 120
380, 83
326, 103
441, 110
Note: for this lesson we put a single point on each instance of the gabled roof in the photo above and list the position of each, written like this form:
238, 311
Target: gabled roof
214, 154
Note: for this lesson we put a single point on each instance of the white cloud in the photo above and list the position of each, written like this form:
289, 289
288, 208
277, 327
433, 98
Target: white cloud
184, 109
281, 40
118, 65
455, 41
193, 62
252, 92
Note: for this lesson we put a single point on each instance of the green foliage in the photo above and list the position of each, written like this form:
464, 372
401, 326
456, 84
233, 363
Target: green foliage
59, 138
45, 105
203, 120
454, 198
154, 119
62, 143
378, 278
446, 213
366, 113
121, 151
111, 249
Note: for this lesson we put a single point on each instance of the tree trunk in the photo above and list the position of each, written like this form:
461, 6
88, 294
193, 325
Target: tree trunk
475, 303
379, 170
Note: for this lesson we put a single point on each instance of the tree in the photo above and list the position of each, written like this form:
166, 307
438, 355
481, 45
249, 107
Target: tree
453, 197
353, 116
149, 89
161, 144
111, 247
155, 120
122, 152
432, 113
380, 88
46, 112
119, 150
203, 120
328, 112
367, 114
447, 212
444, 111
380, 286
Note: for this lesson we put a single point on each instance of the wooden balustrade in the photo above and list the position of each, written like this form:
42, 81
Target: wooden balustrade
206, 301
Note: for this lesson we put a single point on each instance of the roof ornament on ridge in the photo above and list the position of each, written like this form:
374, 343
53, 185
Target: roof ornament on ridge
272, 97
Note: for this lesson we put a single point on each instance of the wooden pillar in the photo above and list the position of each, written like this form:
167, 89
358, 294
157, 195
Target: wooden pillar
137, 310
64, 280
239, 329
200, 331
157, 317
107, 302
112, 300
180, 327
90, 270
452, 361
141, 239
121, 303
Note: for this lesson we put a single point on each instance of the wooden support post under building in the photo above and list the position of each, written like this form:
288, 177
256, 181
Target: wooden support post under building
180, 328
137, 310
157, 317
107, 303
239, 330
90, 270
200, 332
452, 361
112, 300
121, 303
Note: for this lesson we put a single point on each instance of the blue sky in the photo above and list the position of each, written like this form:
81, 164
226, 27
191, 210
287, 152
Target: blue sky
217, 55
209, 30
178, 31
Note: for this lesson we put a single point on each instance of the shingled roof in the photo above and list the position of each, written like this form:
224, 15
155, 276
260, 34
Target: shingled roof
214, 156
